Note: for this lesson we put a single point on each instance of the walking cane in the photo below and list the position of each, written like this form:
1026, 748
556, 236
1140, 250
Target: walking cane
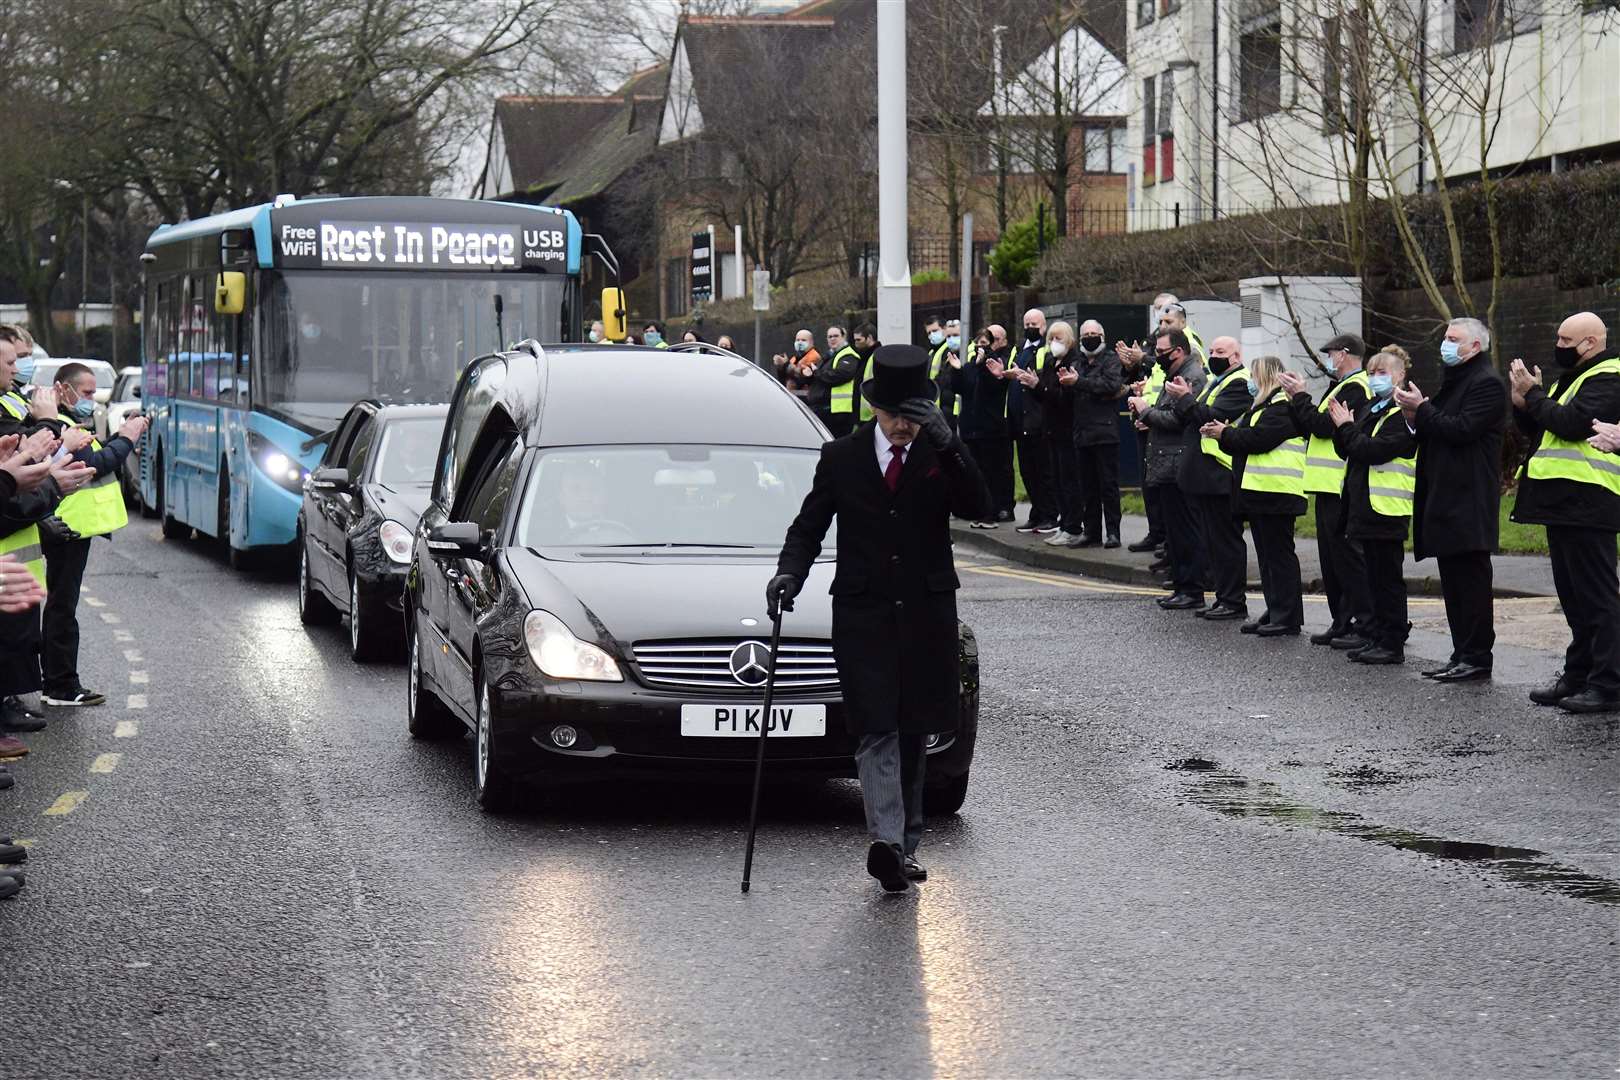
764, 729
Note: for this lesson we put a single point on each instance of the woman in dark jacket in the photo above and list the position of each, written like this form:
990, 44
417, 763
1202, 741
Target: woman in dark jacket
1097, 382
1268, 489
1057, 430
1379, 480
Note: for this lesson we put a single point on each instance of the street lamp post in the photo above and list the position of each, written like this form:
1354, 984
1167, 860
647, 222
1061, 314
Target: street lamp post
894, 264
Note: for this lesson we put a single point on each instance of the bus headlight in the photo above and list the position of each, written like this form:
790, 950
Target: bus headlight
275, 463
560, 655
396, 541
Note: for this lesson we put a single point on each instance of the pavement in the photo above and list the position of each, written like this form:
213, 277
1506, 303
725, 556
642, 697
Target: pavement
1185, 853
1513, 575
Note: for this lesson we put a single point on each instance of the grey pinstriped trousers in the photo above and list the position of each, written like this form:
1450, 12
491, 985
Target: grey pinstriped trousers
891, 767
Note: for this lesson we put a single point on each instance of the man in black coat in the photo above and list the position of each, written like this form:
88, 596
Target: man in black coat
982, 383
893, 484
1459, 490
1026, 421
1096, 381
1573, 488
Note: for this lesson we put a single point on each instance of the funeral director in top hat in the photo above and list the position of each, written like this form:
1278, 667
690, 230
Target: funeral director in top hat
893, 484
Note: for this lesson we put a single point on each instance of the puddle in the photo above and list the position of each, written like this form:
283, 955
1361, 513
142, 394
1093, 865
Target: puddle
1367, 776
1237, 796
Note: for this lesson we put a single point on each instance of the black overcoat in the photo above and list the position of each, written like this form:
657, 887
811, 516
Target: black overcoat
894, 591
1096, 398
1459, 462
1201, 474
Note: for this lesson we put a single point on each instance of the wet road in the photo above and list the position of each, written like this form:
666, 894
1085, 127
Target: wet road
242, 866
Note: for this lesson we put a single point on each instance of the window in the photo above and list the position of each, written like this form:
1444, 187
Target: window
487, 506
1167, 141
1150, 124
360, 449
1169, 7
1144, 11
474, 400
1334, 59
1096, 150
1260, 65
1477, 23
405, 454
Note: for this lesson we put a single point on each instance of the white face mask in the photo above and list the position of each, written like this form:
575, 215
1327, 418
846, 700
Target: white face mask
595, 336
1057, 348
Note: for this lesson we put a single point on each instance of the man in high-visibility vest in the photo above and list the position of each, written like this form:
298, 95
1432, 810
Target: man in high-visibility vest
652, 335
1344, 568
96, 510
1572, 487
943, 366
864, 338
833, 387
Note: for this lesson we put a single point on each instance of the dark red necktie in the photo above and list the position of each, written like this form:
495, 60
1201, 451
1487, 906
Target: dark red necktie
891, 475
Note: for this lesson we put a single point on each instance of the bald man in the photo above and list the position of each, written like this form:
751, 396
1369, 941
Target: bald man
1573, 488
1027, 422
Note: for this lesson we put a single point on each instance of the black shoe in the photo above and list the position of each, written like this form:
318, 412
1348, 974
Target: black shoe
16, 718
10, 882
914, 870
1354, 653
1181, 601
1222, 612
1558, 691
1033, 526
6, 779
75, 697
12, 853
1328, 636
1466, 673
1350, 641
1167, 584
1112, 541
1276, 630
1591, 700
18, 704
1086, 540
1377, 654
1005, 515
1158, 566
1162, 551
884, 863
1435, 673
1147, 543
1049, 528
983, 525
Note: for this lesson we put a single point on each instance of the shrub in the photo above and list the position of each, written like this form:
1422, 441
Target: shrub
1013, 258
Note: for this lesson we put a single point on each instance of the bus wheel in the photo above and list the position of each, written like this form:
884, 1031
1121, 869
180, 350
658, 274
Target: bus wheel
172, 528
239, 558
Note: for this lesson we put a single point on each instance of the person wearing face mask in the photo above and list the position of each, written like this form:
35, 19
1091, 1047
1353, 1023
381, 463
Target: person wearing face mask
1026, 424
23, 407
95, 510
795, 370
1268, 484
1183, 536
1455, 515
835, 382
941, 370
597, 334
982, 384
652, 336
1205, 477
1095, 380
1380, 477
1057, 431
1572, 488
1344, 576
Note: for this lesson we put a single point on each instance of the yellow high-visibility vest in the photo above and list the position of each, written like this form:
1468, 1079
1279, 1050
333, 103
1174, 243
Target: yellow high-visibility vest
14, 404
1324, 468
1564, 459
936, 365
24, 544
1280, 470
1392, 486
843, 395
1207, 395
97, 508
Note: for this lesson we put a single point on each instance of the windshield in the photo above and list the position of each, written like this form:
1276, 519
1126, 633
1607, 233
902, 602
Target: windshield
331, 339
128, 388
654, 496
408, 451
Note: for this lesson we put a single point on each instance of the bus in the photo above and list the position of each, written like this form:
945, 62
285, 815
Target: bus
261, 327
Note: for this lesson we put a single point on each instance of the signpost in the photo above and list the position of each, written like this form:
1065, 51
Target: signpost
762, 303
702, 267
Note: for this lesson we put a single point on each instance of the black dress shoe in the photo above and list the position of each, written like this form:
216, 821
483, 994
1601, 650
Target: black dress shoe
1167, 584
1349, 642
12, 853
1435, 673
1112, 541
1005, 515
1147, 543
1252, 626
1326, 637
884, 863
1377, 654
1591, 700
1181, 602
16, 718
914, 870
1158, 566
1465, 673
1086, 540
1277, 630
6, 779
1224, 612
1161, 552
1558, 691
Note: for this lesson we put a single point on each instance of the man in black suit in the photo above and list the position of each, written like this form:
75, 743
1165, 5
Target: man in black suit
893, 484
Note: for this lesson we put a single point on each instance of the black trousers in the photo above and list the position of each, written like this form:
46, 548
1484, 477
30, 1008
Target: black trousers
840, 423
994, 458
1386, 588
1184, 540
1065, 481
19, 652
1228, 555
64, 576
1279, 568
1583, 565
1099, 488
1035, 466
1344, 568
1465, 583
1150, 495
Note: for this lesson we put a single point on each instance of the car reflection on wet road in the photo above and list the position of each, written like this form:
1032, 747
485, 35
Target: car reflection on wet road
1343, 872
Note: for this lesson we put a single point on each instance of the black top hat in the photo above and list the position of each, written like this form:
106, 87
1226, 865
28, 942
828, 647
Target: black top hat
898, 372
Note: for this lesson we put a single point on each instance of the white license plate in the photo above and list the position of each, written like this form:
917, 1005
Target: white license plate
742, 721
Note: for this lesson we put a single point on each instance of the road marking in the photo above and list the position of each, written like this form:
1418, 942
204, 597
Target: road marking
139, 677
109, 618
105, 763
123, 635
93, 602
133, 656
136, 701
66, 803
126, 729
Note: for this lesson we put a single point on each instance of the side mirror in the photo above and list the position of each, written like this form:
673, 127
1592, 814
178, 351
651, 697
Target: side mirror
230, 295
613, 315
135, 392
457, 540
330, 479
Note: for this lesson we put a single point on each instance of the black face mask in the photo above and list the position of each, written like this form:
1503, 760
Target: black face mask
1091, 344
1031, 334
1166, 360
1566, 356
1219, 364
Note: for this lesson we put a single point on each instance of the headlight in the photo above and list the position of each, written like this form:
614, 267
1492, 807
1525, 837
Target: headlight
396, 541
276, 464
560, 655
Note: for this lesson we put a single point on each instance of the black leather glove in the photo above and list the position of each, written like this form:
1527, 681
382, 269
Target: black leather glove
55, 530
781, 591
927, 416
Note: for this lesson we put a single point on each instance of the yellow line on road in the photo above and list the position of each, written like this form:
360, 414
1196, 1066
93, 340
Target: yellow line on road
126, 729
105, 763
66, 803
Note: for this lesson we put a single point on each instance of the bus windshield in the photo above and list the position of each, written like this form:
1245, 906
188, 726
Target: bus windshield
331, 339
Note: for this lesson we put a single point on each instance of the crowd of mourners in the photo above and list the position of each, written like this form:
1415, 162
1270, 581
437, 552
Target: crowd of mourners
58, 491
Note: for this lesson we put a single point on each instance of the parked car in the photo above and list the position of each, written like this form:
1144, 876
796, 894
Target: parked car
45, 374
586, 592
122, 403
358, 521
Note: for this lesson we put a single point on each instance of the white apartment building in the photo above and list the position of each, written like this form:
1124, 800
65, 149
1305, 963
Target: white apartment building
1240, 105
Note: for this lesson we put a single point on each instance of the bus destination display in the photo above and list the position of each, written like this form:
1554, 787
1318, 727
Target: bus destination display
376, 245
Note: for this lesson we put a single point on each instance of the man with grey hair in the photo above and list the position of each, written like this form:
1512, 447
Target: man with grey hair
1459, 490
